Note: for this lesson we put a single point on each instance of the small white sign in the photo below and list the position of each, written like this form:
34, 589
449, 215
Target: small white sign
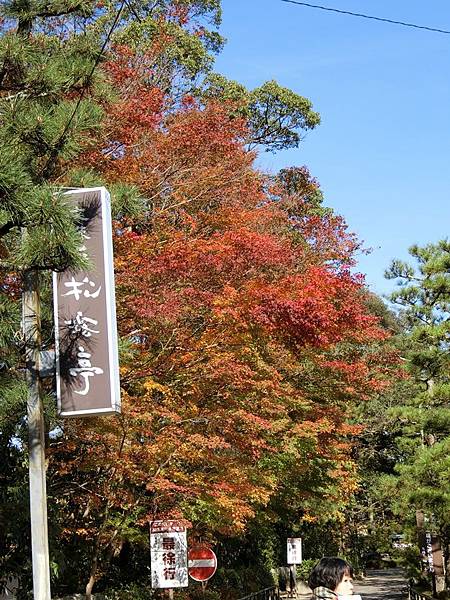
294, 551
168, 553
429, 552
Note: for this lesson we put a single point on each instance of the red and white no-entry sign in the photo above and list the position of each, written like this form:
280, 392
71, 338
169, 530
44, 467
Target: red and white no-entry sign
202, 563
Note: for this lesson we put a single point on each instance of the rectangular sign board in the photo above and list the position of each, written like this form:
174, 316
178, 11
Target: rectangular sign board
294, 551
87, 364
168, 553
429, 552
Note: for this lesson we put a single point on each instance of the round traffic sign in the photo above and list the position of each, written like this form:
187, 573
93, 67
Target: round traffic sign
202, 563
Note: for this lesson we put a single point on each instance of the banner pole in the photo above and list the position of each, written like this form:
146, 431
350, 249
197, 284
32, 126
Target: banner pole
31, 323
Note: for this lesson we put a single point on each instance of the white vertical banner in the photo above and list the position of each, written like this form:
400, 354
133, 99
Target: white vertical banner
168, 554
429, 549
294, 551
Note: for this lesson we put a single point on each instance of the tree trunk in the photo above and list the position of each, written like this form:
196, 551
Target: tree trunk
93, 574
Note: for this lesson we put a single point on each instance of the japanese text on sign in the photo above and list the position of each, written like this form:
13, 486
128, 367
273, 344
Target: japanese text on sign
85, 323
168, 551
294, 551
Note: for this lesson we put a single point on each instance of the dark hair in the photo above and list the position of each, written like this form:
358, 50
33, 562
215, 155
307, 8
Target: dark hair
329, 572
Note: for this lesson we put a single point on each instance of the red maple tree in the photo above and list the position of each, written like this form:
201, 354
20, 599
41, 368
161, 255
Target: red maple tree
246, 332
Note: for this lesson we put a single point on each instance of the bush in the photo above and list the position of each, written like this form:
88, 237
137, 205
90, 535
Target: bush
137, 591
411, 561
238, 582
304, 569
198, 593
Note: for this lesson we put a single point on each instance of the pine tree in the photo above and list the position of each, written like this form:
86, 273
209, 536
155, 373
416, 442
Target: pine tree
424, 295
49, 91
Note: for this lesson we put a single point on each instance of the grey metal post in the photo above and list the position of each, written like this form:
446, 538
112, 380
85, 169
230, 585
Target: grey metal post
31, 323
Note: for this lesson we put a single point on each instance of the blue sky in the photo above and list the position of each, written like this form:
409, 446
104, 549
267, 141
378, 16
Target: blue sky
382, 150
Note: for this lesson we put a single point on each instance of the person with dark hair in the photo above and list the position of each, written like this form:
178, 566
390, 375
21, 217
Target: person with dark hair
330, 578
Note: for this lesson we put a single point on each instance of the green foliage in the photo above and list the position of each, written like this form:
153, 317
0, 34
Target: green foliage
127, 201
411, 561
10, 315
137, 591
196, 592
421, 480
45, 123
208, 10
241, 580
50, 106
276, 115
14, 529
184, 57
12, 404
217, 87
186, 36
427, 480
305, 568
388, 318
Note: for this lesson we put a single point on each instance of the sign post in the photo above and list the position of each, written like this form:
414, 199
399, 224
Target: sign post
168, 553
31, 323
431, 551
294, 557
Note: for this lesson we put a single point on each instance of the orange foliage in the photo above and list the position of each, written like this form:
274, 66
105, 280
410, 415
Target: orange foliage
248, 331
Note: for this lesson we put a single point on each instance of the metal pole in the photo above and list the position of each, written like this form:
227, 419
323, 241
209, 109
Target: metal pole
31, 323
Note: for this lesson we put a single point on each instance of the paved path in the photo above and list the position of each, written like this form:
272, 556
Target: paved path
385, 584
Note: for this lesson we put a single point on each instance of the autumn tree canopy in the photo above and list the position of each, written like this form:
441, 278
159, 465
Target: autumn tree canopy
246, 337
